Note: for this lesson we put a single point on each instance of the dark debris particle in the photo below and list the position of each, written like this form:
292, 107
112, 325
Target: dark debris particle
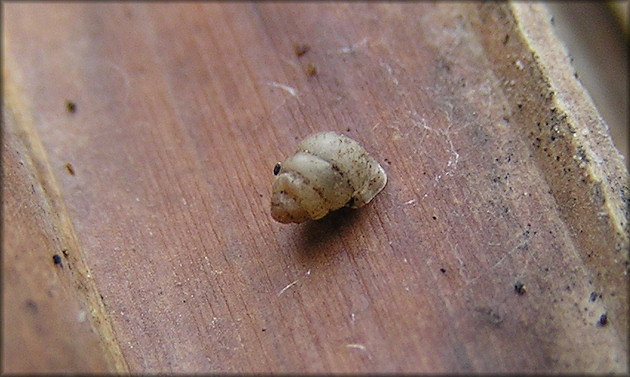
71, 106
603, 320
490, 315
311, 69
301, 49
65, 252
56, 259
31, 305
276, 169
442, 270
69, 168
264, 330
519, 288
593, 296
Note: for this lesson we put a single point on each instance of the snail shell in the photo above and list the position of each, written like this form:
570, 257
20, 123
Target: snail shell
326, 172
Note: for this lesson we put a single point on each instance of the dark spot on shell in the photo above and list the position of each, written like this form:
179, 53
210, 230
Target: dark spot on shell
276, 169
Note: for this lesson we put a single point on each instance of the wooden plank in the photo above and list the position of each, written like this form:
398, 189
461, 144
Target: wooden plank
587, 29
48, 294
501, 174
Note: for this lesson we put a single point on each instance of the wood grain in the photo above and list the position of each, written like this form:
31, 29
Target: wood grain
501, 173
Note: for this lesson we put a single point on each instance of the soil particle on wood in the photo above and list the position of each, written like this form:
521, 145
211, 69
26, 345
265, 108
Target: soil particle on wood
71, 107
301, 49
311, 69
519, 287
69, 168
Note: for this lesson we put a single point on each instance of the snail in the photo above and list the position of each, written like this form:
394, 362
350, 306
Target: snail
327, 171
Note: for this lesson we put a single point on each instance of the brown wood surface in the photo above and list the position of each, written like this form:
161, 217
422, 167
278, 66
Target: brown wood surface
500, 172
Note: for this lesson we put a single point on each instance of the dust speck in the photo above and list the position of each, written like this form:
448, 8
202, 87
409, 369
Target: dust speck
301, 49
519, 287
71, 106
69, 168
311, 69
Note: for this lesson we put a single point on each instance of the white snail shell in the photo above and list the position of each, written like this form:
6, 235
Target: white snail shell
326, 172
